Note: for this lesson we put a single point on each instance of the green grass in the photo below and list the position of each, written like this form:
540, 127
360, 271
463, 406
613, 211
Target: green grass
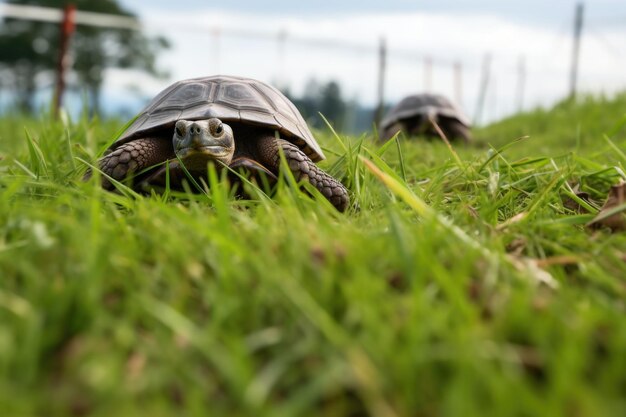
458, 285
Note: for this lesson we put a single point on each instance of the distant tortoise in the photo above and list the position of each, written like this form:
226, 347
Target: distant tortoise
412, 115
229, 120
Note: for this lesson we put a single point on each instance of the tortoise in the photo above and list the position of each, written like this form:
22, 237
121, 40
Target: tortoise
227, 120
413, 115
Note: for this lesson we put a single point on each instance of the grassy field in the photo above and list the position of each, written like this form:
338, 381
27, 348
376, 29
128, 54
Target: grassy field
461, 283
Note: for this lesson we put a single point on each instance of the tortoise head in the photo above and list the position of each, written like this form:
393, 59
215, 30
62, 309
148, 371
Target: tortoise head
198, 142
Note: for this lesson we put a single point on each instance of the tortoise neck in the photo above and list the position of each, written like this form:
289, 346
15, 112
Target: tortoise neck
249, 138
249, 131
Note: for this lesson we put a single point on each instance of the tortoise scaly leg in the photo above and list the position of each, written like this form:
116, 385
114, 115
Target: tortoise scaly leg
457, 131
389, 132
133, 157
303, 168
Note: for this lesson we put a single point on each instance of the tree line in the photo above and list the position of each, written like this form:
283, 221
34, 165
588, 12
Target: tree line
326, 99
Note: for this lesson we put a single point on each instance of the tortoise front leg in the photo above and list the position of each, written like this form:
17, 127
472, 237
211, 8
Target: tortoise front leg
389, 132
303, 168
133, 157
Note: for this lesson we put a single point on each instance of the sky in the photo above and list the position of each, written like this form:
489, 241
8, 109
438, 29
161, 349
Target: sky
533, 12
288, 43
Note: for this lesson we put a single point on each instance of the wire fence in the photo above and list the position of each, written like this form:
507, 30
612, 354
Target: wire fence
487, 84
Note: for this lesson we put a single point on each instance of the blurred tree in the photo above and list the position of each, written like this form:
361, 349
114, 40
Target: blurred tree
321, 98
29, 50
332, 105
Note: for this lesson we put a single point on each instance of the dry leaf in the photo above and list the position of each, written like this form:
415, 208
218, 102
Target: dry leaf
572, 204
515, 219
531, 266
517, 246
472, 211
559, 260
135, 365
611, 214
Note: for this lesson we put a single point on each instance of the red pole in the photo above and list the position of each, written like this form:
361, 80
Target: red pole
67, 29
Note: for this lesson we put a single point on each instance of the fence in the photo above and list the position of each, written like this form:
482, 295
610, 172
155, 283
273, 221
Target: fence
474, 74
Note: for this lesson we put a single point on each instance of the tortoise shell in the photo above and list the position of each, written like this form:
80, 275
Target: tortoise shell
231, 99
423, 105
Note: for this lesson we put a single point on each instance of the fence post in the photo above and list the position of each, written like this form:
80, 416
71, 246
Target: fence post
382, 68
67, 29
458, 83
428, 73
482, 93
578, 27
521, 82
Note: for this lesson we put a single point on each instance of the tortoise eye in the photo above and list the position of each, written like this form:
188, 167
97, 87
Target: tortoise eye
179, 130
219, 129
